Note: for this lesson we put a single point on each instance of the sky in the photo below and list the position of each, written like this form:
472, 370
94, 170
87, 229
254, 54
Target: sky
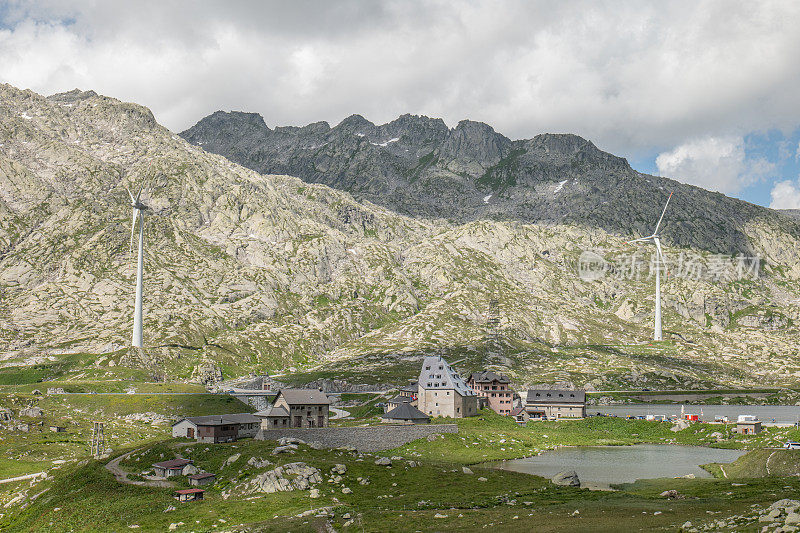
703, 92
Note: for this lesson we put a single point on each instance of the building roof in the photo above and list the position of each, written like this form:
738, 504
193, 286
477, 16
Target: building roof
400, 399
405, 411
411, 387
304, 397
272, 411
487, 377
436, 374
556, 396
517, 411
202, 475
219, 420
189, 491
173, 463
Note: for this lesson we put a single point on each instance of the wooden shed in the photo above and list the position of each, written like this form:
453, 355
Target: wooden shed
188, 495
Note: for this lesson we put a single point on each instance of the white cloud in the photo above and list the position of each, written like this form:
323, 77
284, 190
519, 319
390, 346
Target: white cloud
715, 163
785, 195
628, 76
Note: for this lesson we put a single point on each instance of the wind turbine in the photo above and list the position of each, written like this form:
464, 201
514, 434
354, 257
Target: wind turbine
655, 238
138, 209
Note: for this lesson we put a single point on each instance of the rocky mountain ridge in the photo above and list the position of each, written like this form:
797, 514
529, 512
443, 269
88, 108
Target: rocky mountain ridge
418, 166
250, 272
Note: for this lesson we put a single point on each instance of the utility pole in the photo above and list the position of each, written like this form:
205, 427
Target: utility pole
98, 439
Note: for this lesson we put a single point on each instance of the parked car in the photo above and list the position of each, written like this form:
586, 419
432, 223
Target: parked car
792, 445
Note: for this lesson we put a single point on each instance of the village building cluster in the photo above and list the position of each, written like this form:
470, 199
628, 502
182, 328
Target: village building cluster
440, 391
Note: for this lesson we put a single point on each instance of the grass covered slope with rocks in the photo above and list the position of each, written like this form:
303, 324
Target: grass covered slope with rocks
246, 271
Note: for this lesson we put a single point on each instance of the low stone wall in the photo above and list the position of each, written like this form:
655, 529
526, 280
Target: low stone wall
363, 439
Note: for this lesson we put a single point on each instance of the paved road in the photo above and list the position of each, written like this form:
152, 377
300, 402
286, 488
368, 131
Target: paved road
122, 476
339, 413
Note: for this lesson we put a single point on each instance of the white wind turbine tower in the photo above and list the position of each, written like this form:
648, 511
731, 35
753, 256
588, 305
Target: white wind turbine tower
655, 238
138, 209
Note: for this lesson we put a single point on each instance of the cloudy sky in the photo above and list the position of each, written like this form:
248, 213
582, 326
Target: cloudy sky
705, 92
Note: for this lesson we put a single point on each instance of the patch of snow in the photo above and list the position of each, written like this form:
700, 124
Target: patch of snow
26, 116
385, 144
560, 186
66, 105
487, 198
359, 134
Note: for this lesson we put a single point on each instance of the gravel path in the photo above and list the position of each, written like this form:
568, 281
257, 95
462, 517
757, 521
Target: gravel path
122, 476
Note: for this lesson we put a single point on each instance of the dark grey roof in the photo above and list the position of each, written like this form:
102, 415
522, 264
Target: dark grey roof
202, 475
304, 397
411, 387
487, 377
272, 411
399, 399
219, 420
406, 411
436, 374
556, 396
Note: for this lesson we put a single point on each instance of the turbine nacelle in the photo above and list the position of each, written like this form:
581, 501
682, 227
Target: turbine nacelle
135, 202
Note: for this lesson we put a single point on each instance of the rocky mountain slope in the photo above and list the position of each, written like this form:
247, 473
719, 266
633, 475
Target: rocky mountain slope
262, 272
418, 166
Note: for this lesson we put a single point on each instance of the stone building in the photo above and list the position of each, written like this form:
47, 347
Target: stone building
306, 408
442, 392
217, 428
174, 467
555, 404
273, 417
496, 388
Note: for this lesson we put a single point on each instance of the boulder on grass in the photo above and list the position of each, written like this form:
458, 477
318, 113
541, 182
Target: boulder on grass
567, 478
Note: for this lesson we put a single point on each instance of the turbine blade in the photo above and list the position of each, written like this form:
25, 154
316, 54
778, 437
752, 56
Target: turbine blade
662, 213
133, 230
140, 195
130, 194
643, 239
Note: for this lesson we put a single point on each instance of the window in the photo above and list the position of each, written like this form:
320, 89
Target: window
448, 393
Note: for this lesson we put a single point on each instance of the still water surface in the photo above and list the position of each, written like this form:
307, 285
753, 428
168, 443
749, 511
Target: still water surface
604, 465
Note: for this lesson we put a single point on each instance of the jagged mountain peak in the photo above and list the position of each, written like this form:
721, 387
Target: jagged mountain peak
74, 95
258, 272
416, 165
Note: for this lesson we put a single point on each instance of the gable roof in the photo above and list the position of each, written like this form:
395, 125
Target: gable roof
189, 491
273, 411
304, 397
517, 411
173, 463
487, 377
219, 420
405, 411
399, 399
436, 374
556, 396
411, 387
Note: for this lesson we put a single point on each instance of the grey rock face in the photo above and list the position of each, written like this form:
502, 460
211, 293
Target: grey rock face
246, 271
416, 165
567, 479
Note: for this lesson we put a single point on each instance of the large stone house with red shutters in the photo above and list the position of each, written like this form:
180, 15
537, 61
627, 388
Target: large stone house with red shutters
496, 388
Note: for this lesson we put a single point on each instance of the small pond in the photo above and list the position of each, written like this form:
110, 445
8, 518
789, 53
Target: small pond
602, 466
